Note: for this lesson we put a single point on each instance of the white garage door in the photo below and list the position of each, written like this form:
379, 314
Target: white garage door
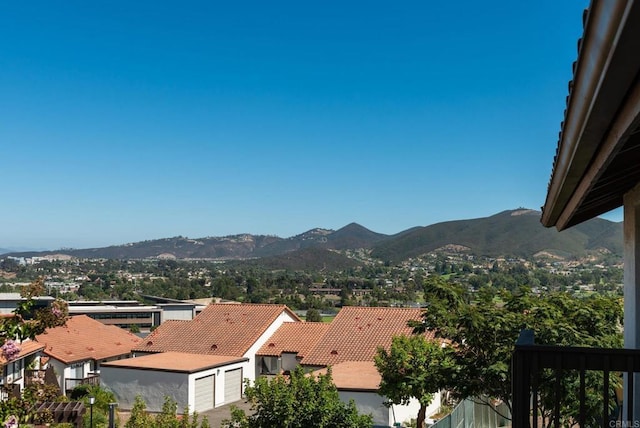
204, 393
232, 385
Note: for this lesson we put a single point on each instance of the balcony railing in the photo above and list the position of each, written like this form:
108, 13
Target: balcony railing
556, 386
34, 377
91, 379
9, 391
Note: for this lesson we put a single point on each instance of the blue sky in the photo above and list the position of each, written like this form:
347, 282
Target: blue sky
125, 121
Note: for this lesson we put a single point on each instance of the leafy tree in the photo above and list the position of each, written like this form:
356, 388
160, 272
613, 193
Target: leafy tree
297, 402
414, 367
25, 323
167, 418
485, 326
102, 399
313, 315
139, 417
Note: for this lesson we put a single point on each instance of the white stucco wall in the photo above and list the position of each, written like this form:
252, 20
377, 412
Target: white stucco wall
151, 385
63, 371
250, 368
182, 312
219, 382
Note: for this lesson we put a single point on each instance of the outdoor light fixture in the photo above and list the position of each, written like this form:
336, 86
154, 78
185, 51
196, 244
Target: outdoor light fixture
92, 401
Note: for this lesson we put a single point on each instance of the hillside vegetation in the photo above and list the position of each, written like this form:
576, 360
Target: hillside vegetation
513, 233
516, 233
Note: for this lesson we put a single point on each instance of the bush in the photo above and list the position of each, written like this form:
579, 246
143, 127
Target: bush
299, 401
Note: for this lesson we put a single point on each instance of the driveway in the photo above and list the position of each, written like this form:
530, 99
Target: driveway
217, 415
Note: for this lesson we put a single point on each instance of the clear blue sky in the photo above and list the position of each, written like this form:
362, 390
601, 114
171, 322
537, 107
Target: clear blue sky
122, 121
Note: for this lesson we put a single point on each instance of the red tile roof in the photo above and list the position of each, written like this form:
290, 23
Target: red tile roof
26, 348
175, 362
83, 338
356, 333
296, 337
220, 329
354, 376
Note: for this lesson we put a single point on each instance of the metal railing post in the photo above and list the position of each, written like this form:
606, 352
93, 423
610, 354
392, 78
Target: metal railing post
521, 380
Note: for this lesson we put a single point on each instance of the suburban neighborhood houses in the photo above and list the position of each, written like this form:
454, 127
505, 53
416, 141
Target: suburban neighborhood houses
203, 363
76, 350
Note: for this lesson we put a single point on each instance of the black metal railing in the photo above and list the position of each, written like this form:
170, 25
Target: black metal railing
572, 386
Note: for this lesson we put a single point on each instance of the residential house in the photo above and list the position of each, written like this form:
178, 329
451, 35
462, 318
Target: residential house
287, 346
351, 342
231, 332
356, 333
77, 349
597, 169
359, 381
196, 381
348, 344
14, 373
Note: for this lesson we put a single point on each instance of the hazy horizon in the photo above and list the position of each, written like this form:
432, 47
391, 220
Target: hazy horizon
611, 216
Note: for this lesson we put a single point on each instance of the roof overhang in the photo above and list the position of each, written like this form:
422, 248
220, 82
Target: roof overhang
598, 155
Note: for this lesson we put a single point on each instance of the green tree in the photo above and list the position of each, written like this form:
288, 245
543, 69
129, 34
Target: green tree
299, 401
139, 417
414, 367
313, 315
485, 326
25, 323
167, 418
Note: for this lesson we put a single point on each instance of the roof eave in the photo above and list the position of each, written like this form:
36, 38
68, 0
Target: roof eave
596, 93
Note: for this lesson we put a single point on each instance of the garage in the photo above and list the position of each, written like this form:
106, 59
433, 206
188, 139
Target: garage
204, 393
232, 385
199, 382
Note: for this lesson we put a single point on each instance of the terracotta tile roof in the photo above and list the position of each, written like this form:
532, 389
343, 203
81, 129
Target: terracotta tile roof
83, 338
354, 376
356, 333
296, 337
175, 362
220, 329
26, 348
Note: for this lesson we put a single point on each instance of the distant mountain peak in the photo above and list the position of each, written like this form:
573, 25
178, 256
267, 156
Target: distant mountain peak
524, 211
353, 225
515, 232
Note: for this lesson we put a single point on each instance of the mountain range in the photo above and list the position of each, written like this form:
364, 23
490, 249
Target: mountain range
516, 233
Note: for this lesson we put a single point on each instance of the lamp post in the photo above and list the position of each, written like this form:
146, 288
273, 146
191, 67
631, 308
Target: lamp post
92, 401
112, 415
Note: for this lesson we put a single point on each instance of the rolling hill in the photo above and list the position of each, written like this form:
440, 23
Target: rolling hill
515, 233
509, 233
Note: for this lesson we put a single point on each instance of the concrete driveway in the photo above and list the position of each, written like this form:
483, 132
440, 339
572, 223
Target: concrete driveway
216, 416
